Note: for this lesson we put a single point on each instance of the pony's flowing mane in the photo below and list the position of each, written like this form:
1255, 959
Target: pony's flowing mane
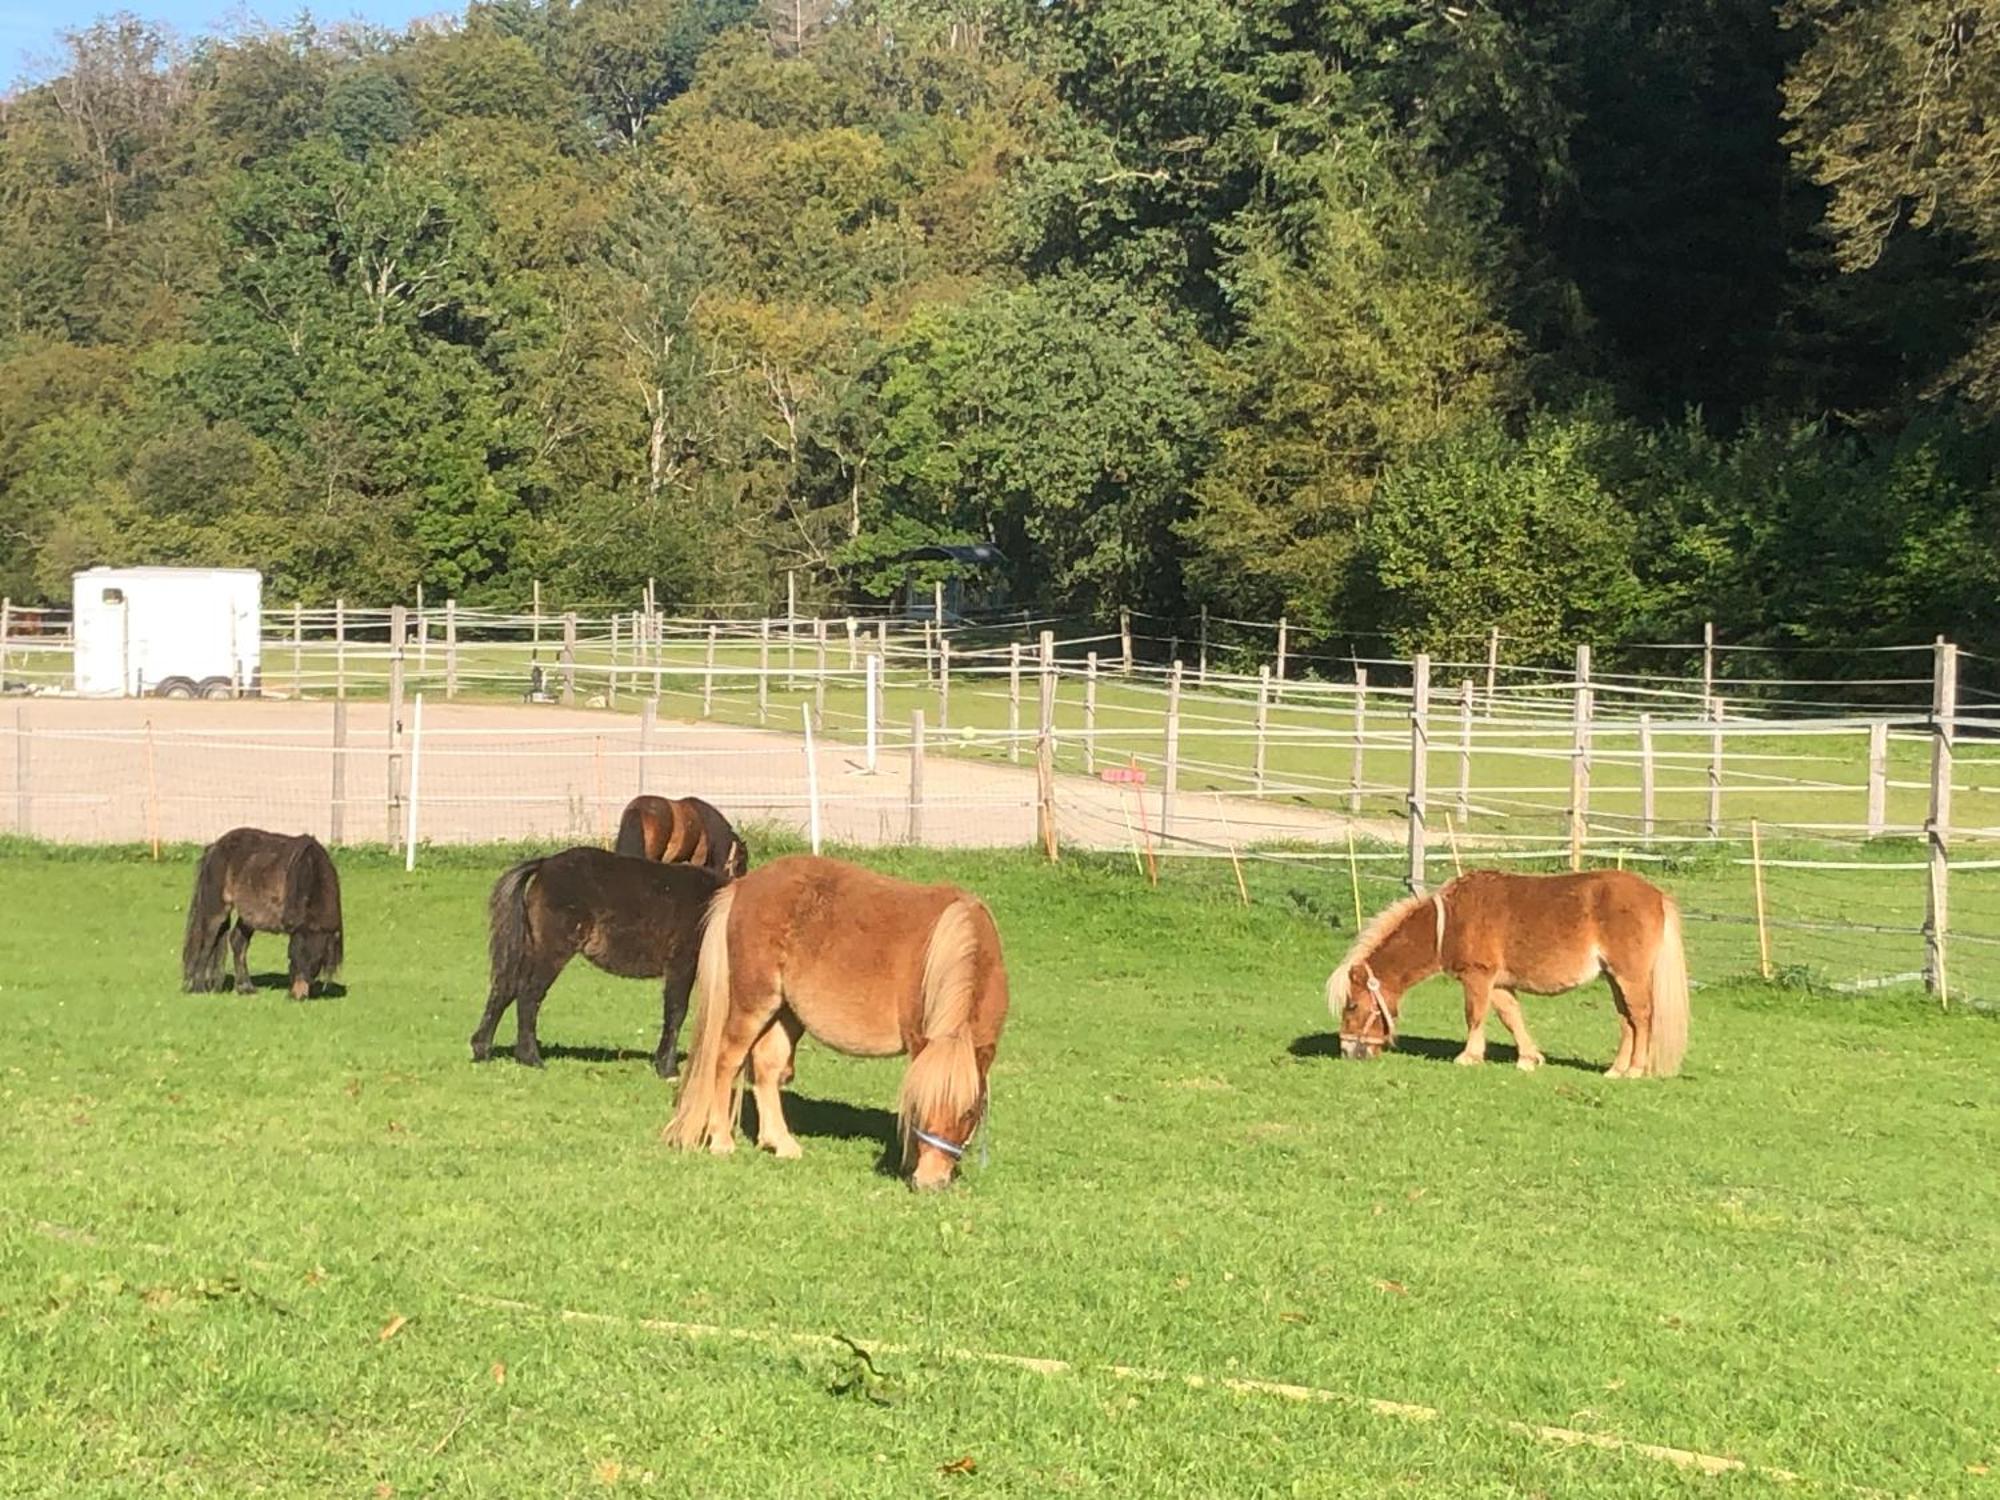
944, 1078
1385, 922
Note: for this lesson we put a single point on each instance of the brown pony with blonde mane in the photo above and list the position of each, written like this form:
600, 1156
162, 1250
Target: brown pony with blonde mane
681, 831
1497, 933
866, 964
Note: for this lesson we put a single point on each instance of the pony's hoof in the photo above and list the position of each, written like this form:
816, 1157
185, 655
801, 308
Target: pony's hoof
1530, 1061
246, 989
722, 1145
666, 1068
1470, 1059
528, 1059
1614, 1071
785, 1150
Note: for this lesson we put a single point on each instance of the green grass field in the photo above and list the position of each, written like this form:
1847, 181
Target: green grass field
253, 1247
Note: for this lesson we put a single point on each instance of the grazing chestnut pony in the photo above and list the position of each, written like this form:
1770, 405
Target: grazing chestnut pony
682, 831
270, 882
1497, 933
637, 920
868, 965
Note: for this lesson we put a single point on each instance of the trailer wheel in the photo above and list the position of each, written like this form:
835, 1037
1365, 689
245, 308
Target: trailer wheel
175, 687
216, 688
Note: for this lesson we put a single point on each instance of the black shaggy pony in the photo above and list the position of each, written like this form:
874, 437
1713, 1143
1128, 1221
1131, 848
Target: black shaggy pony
632, 918
272, 882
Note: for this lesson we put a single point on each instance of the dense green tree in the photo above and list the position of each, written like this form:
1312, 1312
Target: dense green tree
1596, 320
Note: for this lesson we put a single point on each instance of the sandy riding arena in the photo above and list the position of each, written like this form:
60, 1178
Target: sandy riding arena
82, 771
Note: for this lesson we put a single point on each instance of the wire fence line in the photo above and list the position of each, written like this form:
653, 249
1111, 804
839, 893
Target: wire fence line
1870, 833
341, 651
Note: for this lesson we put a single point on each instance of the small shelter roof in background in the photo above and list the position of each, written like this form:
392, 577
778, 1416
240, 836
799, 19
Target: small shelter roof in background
973, 554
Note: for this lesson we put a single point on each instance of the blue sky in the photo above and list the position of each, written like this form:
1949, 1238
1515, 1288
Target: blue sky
28, 30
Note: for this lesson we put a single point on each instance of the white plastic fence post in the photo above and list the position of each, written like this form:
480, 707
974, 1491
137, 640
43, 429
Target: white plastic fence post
812, 778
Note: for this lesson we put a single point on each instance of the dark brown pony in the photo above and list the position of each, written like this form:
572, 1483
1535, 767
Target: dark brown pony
639, 921
682, 830
868, 965
270, 882
1497, 933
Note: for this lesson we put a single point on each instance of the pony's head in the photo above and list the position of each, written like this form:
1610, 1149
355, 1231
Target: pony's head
943, 1101
1365, 994
1365, 1007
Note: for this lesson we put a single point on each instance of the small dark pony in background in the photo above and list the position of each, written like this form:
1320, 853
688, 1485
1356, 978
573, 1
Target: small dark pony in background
636, 920
682, 831
270, 882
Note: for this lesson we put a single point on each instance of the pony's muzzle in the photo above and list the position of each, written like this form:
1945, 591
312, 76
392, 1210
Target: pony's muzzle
1356, 1050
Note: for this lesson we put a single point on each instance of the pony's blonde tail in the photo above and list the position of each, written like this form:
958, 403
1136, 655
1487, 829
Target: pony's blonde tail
944, 1076
1670, 996
694, 1110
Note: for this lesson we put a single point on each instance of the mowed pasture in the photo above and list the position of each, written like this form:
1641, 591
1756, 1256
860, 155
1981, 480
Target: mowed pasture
253, 1246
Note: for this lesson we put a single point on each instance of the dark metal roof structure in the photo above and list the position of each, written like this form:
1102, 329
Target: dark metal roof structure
974, 554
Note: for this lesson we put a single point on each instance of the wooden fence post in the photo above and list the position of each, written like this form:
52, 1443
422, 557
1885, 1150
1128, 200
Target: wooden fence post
395, 799
853, 648
340, 648
871, 708
649, 713
937, 605
1045, 751
1125, 638
944, 682
423, 634
916, 775
1360, 765
791, 628
1170, 778
1284, 648
1492, 669
1715, 768
569, 658
1263, 722
1579, 761
1707, 662
708, 677
1646, 778
1014, 702
1878, 777
1090, 713
1464, 751
298, 650
1201, 671
611, 690
819, 672
7, 629
763, 670
1937, 827
451, 648
336, 823
1420, 769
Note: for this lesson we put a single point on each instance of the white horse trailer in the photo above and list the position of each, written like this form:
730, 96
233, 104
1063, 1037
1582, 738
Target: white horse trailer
168, 632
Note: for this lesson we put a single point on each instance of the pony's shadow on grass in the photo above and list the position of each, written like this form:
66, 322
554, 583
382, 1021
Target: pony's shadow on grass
1435, 1049
553, 1051
324, 989
835, 1120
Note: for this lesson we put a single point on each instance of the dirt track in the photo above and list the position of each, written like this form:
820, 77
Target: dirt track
93, 772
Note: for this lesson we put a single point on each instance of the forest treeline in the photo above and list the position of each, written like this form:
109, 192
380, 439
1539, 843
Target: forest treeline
1591, 321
